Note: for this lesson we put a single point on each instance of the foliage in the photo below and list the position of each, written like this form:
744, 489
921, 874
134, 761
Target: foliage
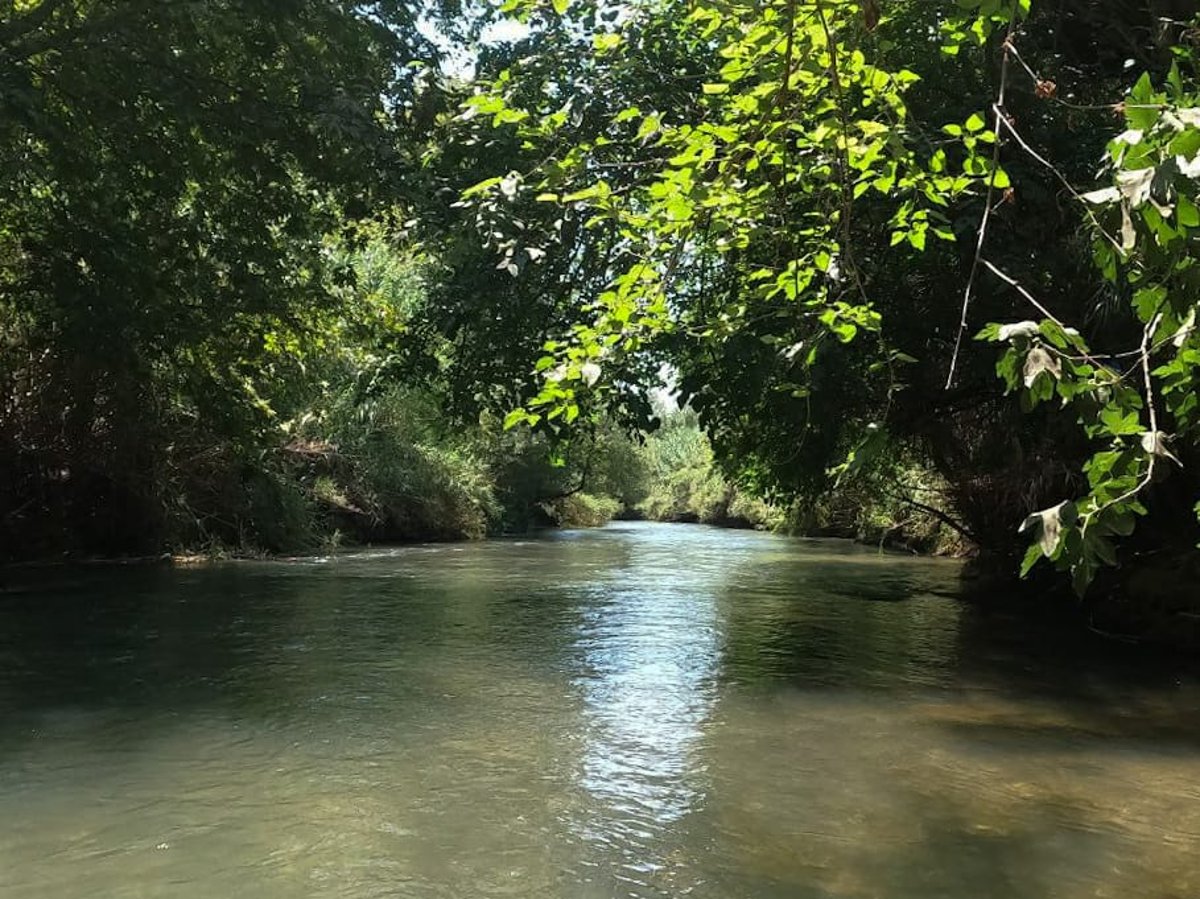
403, 474
595, 477
173, 175
584, 510
718, 197
781, 201
685, 483
1137, 403
746, 180
266, 278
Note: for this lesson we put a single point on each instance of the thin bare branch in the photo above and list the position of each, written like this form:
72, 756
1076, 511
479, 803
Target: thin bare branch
981, 237
1148, 384
847, 188
1011, 129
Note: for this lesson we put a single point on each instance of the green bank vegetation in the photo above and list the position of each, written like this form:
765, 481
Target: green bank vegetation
273, 276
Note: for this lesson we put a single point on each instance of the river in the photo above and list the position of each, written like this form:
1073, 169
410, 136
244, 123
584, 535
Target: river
637, 711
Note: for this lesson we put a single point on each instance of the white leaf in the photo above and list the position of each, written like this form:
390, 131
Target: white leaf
1102, 196
1133, 137
1049, 524
1135, 185
1128, 232
590, 372
793, 351
1189, 168
1185, 329
1189, 116
509, 184
1018, 329
1040, 360
1155, 443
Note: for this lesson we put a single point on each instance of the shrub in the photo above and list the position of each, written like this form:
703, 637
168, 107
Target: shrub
583, 510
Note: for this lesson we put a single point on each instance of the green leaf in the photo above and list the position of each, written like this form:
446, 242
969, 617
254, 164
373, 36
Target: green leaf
1121, 424
1143, 89
1082, 575
1186, 212
1100, 548
600, 189
1033, 555
482, 187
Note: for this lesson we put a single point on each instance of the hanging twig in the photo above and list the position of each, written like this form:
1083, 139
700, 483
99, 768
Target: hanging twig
1011, 129
1033, 301
847, 189
998, 107
1152, 451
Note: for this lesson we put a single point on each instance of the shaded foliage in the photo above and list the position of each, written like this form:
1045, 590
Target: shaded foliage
173, 172
811, 213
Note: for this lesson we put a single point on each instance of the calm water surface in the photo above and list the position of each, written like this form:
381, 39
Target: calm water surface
641, 711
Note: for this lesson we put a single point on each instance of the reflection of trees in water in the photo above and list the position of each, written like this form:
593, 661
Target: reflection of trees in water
851, 619
857, 794
138, 637
269, 643
921, 747
1044, 650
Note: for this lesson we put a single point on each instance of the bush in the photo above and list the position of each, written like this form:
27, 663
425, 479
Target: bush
393, 470
583, 510
686, 484
227, 501
899, 503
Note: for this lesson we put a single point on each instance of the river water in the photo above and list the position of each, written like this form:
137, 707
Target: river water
639, 711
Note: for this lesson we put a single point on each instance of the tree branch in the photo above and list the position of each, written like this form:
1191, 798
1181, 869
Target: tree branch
998, 106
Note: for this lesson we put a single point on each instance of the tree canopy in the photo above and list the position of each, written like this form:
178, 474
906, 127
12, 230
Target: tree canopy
813, 210
173, 176
938, 250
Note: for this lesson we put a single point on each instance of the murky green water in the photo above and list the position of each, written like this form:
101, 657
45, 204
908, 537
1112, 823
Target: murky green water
643, 711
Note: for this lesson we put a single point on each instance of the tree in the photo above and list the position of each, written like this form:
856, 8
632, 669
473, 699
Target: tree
173, 173
787, 208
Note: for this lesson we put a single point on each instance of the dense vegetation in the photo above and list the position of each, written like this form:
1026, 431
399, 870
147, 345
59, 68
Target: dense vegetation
273, 274
813, 209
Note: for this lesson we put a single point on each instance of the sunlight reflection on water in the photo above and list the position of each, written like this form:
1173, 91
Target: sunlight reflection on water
644, 712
